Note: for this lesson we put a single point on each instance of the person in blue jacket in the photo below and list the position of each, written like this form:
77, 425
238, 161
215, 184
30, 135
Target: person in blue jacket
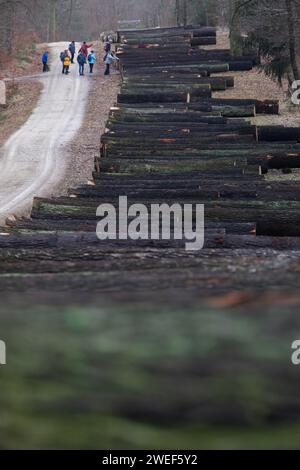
45, 61
92, 59
72, 49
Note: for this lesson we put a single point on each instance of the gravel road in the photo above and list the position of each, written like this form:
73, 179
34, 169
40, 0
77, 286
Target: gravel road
33, 161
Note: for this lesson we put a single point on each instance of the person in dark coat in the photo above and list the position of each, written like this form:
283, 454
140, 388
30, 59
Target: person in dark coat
91, 60
107, 45
81, 59
72, 49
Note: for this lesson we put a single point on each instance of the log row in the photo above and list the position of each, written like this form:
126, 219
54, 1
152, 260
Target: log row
197, 322
214, 325
168, 139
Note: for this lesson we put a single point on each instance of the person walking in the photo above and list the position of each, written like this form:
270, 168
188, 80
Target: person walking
81, 59
85, 48
66, 64
62, 57
107, 45
72, 50
45, 62
91, 60
109, 58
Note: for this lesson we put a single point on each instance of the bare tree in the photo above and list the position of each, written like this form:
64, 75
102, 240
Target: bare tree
273, 28
292, 38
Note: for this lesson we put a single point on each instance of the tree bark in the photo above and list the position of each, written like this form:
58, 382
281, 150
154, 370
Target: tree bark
185, 13
235, 28
292, 39
177, 12
53, 20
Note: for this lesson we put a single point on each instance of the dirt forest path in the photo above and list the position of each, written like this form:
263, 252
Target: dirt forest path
32, 160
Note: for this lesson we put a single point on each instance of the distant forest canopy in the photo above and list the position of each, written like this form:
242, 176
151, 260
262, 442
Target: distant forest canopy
269, 27
55, 20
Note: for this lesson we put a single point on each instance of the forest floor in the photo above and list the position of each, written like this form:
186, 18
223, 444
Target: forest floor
255, 84
25, 61
22, 96
36, 159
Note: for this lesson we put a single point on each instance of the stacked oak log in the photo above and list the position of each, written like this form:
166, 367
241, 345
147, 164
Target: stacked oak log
169, 140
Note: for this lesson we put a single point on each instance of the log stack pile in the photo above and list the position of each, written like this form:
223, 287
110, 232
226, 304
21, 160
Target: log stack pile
168, 140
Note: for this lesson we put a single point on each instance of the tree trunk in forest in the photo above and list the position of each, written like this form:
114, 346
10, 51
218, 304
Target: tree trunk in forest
177, 11
292, 39
235, 28
6, 38
181, 11
185, 13
53, 20
70, 17
205, 12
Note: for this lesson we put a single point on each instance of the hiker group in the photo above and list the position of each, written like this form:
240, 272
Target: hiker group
84, 57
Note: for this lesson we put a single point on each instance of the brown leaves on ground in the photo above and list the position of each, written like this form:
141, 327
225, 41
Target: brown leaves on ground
22, 99
21, 96
255, 84
21, 62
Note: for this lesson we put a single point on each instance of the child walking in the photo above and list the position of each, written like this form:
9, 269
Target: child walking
92, 59
66, 64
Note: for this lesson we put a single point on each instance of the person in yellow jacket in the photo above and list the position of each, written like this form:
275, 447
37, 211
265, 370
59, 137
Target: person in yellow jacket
66, 63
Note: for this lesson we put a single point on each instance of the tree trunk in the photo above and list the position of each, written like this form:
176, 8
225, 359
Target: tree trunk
70, 17
185, 13
177, 11
53, 20
292, 39
235, 28
8, 12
